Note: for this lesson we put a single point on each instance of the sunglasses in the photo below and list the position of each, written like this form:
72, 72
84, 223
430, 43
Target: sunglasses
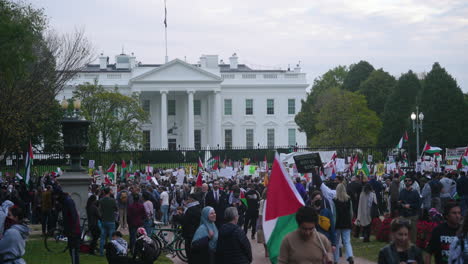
408, 180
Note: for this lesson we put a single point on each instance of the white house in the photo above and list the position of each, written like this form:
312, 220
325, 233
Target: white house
209, 103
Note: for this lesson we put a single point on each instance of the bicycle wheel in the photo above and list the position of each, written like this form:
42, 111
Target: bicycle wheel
159, 245
55, 241
180, 250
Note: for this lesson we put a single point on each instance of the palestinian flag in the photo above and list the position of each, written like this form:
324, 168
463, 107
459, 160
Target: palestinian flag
111, 172
463, 161
280, 209
123, 171
213, 163
199, 179
29, 162
242, 198
431, 150
403, 139
200, 164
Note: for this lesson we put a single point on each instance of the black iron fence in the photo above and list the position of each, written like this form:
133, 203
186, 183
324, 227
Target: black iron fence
163, 158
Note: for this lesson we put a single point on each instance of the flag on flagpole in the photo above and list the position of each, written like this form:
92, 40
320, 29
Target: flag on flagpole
29, 162
463, 161
403, 139
242, 197
111, 172
365, 169
123, 171
165, 14
431, 150
200, 164
213, 163
281, 205
199, 179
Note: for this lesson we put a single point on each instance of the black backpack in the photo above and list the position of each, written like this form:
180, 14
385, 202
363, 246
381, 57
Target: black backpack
149, 252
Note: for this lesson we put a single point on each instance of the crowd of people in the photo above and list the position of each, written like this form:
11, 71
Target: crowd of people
215, 220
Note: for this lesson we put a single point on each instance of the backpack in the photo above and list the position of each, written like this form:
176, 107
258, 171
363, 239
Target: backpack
150, 252
123, 197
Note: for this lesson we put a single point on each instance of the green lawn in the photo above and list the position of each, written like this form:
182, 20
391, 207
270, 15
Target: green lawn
36, 253
369, 251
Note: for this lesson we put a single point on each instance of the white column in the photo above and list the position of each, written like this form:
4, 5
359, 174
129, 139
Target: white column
190, 117
164, 119
217, 119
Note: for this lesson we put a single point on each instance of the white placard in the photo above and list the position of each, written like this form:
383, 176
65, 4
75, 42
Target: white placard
226, 172
247, 170
340, 165
91, 164
369, 158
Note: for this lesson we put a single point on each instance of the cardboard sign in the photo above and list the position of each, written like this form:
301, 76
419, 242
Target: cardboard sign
91, 164
307, 162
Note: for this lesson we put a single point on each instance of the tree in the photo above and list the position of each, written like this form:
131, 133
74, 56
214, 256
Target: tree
377, 88
331, 79
400, 104
357, 74
117, 118
444, 108
345, 120
34, 66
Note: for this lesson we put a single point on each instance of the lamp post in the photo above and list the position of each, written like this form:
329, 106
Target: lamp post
417, 118
75, 133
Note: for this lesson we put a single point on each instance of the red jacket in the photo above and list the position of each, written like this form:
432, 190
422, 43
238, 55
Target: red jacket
135, 214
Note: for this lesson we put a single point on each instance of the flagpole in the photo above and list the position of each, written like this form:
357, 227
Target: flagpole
165, 29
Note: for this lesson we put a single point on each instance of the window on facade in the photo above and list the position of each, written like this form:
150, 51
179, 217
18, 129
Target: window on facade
146, 106
228, 138
270, 106
249, 106
171, 107
271, 138
291, 106
197, 107
249, 138
172, 144
227, 106
146, 140
291, 136
197, 138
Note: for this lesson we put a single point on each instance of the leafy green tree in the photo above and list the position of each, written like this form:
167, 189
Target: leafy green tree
400, 104
358, 73
345, 120
34, 66
444, 108
377, 88
333, 78
117, 118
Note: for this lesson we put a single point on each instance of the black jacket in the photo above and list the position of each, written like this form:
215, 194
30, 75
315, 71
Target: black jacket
191, 221
413, 199
389, 255
233, 246
343, 214
219, 206
93, 215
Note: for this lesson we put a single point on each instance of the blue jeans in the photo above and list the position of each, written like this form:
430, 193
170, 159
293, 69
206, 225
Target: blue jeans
165, 214
148, 225
345, 234
132, 230
107, 229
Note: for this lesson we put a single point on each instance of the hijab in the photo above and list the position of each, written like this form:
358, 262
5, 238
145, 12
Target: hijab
205, 226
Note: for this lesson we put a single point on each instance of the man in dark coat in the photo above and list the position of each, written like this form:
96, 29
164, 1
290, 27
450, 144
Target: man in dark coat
190, 222
233, 245
71, 226
217, 199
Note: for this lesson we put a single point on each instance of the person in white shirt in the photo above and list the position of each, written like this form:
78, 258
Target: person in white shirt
164, 206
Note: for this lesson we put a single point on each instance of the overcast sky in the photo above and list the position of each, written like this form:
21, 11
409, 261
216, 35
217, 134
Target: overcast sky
396, 35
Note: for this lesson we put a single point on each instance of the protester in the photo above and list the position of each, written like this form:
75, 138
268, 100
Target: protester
400, 250
305, 244
344, 215
443, 235
13, 243
458, 253
136, 217
204, 241
146, 250
164, 206
122, 201
410, 204
253, 198
107, 207
71, 225
149, 211
233, 246
4, 215
217, 199
326, 224
92, 212
364, 217
190, 223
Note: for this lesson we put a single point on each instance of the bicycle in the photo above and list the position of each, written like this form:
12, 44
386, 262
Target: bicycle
176, 246
55, 240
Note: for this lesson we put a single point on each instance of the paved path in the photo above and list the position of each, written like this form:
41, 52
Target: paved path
258, 253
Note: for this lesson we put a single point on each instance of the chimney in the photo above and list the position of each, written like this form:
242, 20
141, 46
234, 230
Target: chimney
132, 61
211, 61
233, 61
103, 61
297, 68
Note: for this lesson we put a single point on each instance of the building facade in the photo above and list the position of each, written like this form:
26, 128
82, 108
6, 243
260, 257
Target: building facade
210, 103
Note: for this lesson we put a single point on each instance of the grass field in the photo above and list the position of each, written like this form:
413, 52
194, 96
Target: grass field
369, 251
36, 253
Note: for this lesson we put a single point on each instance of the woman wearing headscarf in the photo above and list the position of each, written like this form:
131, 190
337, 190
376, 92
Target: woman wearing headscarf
146, 251
205, 238
364, 218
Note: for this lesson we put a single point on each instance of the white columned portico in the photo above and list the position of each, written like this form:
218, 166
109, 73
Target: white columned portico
216, 129
190, 117
164, 119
